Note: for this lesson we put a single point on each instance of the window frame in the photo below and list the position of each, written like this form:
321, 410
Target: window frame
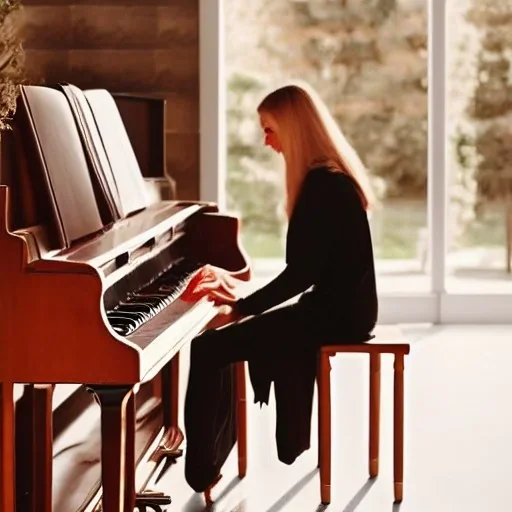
436, 306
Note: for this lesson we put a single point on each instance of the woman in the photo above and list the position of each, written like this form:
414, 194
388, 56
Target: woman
329, 260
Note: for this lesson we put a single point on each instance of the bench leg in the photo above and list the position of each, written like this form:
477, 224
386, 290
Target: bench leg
374, 428
398, 426
324, 426
241, 419
318, 373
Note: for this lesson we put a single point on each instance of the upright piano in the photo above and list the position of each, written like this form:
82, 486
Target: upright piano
91, 271
145, 120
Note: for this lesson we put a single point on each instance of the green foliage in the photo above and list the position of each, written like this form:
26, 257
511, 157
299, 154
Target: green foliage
253, 178
368, 60
11, 59
482, 134
464, 40
400, 162
494, 173
7, 7
263, 245
492, 103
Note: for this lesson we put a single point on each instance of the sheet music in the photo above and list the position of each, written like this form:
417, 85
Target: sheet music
94, 144
123, 162
64, 162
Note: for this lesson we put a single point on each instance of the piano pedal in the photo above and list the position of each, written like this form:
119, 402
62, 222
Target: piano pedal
168, 462
152, 500
169, 450
169, 447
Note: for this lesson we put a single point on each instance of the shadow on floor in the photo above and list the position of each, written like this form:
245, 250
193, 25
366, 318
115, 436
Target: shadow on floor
359, 496
288, 495
196, 502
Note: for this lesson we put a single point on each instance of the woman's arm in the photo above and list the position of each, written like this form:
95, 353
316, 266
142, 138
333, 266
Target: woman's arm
290, 282
312, 233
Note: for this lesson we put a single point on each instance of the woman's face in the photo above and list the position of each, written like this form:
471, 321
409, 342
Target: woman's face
269, 132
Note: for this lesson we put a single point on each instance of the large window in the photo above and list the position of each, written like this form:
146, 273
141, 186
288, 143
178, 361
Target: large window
480, 157
423, 91
369, 64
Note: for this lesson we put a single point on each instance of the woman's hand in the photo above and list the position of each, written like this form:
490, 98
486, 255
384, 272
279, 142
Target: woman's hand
214, 283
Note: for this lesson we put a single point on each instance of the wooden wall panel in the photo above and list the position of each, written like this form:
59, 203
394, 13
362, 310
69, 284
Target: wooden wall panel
149, 47
48, 27
183, 112
103, 2
183, 156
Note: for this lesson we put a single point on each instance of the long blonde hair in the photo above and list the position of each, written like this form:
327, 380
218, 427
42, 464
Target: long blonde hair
310, 137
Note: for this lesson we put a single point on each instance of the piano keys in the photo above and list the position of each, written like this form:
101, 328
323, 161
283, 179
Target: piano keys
92, 271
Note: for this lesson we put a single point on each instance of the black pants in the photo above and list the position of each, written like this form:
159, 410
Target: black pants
280, 346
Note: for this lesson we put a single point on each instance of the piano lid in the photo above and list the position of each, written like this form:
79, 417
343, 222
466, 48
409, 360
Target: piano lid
161, 219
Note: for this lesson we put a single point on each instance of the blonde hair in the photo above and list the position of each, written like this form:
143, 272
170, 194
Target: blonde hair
310, 137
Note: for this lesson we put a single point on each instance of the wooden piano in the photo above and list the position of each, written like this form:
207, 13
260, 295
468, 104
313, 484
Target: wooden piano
144, 118
91, 270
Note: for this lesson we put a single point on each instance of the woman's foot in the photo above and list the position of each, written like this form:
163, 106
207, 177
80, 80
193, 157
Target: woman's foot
208, 491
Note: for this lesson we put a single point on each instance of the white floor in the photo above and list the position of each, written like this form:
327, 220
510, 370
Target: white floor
458, 436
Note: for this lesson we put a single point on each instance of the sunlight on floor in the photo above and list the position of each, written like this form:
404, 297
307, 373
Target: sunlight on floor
457, 444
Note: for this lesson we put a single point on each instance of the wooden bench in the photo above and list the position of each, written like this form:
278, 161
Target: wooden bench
388, 340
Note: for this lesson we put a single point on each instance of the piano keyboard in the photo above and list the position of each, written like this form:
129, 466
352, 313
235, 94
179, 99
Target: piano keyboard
140, 306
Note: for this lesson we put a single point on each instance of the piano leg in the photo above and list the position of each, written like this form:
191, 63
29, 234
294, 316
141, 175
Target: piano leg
129, 490
6, 447
41, 449
171, 413
170, 403
117, 430
173, 436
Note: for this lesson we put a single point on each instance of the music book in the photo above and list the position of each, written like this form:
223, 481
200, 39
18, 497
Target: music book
65, 172
101, 172
129, 182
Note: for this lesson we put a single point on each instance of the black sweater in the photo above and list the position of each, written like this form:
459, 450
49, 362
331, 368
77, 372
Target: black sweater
328, 248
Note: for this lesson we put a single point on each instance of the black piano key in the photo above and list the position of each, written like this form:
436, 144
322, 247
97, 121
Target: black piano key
139, 318
123, 330
144, 310
127, 318
161, 300
119, 329
150, 309
150, 303
142, 304
153, 295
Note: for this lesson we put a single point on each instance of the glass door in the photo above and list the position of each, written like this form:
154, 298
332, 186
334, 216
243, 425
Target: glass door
422, 94
479, 160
